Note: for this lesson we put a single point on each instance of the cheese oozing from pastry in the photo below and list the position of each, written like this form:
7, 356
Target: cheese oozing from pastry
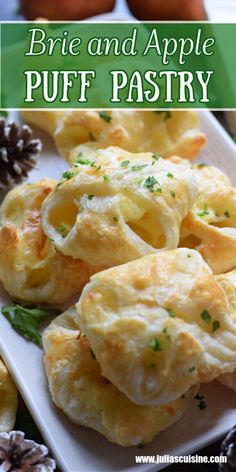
113, 206
88, 399
31, 270
159, 325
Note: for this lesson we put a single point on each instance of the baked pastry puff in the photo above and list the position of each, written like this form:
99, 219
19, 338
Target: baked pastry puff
228, 282
159, 325
210, 226
114, 206
175, 132
8, 400
31, 269
88, 399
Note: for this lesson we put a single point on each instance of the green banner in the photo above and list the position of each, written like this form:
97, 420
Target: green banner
118, 65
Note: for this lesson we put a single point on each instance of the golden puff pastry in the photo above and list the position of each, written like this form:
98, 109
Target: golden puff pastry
210, 226
31, 269
171, 133
88, 399
114, 206
228, 282
133, 130
48, 120
8, 400
159, 325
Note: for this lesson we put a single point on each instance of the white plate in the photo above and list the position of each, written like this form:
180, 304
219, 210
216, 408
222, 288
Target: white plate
78, 449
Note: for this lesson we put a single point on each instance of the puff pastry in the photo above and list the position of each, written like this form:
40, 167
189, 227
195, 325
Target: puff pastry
8, 400
228, 282
115, 206
159, 325
31, 269
88, 399
210, 226
133, 130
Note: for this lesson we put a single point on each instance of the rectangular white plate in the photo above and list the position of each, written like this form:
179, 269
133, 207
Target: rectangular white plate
78, 449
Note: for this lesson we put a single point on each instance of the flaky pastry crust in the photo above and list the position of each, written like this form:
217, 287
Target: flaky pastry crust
159, 325
88, 399
116, 206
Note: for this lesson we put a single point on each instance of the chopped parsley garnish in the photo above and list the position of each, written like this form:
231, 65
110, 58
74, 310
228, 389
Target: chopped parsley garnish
205, 211
155, 345
62, 231
125, 163
192, 369
206, 316
90, 197
27, 320
170, 313
156, 156
107, 178
115, 218
83, 162
226, 213
173, 194
167, 114
188, 255
68, 175
199, 166
104, 115
150, 182
51, 240
140, 167
215, 325
202, 404
170, 175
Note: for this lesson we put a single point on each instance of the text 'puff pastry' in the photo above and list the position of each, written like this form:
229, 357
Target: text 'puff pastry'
8, 400
210, 226
114, 206
88, 399
159, 325
228, 282
31, 269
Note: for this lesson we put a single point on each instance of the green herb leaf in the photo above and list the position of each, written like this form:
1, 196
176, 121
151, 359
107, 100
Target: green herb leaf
62, 231
226, 213
215, 325
68, 175
170, 175
156, 156
173, 194
206, 316
26, 321
156, 345
204, 212
107, 178
125, 163
115, 218
192, 369
200, 166
104, 115
150, 182
90, 197
170, 313
83, 162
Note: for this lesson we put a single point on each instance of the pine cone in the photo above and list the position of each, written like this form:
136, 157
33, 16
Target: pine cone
18, 454
18, 153
228, 448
